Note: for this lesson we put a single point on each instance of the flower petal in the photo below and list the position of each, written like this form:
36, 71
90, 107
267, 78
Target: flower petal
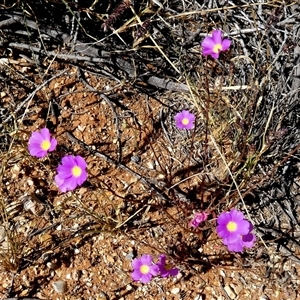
208, 42
217, 36
249, 240
68, 160
146, 259
82, 178
41, 153
231, 238
190, 125
71, 183
225, 44
236, 215
64, 171
60, 183
53, 144
45, 133
174, 272
36, 137
215, 55
236, 247
243, 227
34, 148
145, 278
222, 231
80, 162
224, 218
154, 270
136, 274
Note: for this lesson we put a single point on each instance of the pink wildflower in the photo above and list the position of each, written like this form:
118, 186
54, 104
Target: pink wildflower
198, 218
231, 225
40, 143
244, 241
213, 45
144, 269
235, 231
166, 269
185, 120
71, 173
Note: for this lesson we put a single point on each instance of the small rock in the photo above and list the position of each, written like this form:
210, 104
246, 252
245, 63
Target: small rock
52, 265
102, 296
129, 256
175, 291
60, 286
30, 182
59, 227
110, 259
150, 165
135, 159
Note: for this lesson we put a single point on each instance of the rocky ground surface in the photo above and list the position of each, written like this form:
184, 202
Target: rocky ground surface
107, 80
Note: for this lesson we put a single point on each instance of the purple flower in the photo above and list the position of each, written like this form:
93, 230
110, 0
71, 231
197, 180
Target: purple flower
231, 225
143, 269
244, 241
198, 218
40, 143
185, 120
248, 240
166, 269
71, 173
235, 231
214, 45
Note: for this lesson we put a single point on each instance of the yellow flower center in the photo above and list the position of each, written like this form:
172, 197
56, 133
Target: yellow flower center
45, 145
231, 226
185, 121
144, 269
217, 48
168, 267
76, 171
